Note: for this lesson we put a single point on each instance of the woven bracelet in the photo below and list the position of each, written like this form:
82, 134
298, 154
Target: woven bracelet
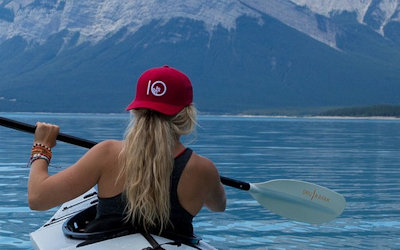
37, 157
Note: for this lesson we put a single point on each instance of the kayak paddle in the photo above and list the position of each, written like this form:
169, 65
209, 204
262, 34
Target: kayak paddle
293, 199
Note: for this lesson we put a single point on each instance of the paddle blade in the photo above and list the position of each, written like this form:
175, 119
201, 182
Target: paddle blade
299, 200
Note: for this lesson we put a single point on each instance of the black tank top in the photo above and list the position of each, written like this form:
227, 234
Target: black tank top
180, 219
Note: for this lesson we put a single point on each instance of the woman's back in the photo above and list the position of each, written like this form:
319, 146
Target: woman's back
194, 187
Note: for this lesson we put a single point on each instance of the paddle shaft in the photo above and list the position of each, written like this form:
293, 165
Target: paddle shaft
89, 144
31, 129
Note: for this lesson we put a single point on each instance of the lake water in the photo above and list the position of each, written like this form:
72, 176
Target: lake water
359, 158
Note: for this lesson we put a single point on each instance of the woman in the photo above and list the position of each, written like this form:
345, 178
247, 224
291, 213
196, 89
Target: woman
150, 178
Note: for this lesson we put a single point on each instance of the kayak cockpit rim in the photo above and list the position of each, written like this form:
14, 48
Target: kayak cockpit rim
75, 226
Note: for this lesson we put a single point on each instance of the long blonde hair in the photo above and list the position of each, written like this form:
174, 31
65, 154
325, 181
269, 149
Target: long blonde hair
147, 162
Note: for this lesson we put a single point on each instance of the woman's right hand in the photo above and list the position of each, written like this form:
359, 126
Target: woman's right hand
46, 134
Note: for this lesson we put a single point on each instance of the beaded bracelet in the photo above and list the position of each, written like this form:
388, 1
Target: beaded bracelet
40, 151
42, 146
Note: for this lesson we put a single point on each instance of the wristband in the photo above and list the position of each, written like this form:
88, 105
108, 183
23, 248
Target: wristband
37, 157
40, 151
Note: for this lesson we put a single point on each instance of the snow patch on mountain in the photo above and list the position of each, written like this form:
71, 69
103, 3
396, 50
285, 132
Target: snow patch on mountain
387, 9
97, 19
383, 11
303, 21
327, 8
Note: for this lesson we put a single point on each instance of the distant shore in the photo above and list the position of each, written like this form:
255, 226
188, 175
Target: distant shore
357, 117
314, 116
371, 112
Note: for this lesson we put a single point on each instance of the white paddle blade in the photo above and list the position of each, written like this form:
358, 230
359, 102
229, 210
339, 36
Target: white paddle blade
299, 200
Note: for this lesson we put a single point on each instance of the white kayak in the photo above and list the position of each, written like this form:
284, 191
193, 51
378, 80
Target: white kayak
62, 232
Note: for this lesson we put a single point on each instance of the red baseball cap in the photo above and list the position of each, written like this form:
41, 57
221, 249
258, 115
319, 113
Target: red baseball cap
163, 89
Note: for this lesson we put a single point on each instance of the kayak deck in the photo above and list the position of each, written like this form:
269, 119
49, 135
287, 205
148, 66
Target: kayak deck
51, 236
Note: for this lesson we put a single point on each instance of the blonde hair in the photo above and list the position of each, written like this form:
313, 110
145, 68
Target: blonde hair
147, 162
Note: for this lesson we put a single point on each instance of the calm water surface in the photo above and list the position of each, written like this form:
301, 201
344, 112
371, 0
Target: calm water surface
358, 158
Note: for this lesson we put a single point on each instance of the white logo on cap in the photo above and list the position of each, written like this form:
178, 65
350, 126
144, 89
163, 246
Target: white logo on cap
158, 88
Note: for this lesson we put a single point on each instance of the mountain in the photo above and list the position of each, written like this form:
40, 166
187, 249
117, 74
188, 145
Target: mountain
252, 56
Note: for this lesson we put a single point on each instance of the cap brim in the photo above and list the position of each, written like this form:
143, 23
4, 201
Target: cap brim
163, 108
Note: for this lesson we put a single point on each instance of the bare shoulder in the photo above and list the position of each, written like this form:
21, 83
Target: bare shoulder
208, 182
106, 160
107, 149
200, 185
203, 166
109, 145
103, 154
199, 159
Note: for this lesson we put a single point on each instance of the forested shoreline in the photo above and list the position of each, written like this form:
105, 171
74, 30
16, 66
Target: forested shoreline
379, 110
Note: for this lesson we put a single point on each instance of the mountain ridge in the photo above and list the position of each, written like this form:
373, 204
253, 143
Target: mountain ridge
256, 62
36, 20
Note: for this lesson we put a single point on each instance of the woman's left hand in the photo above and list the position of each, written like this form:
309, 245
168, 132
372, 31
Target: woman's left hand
46, 134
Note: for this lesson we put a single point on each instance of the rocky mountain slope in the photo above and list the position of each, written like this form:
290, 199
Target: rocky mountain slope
242, 56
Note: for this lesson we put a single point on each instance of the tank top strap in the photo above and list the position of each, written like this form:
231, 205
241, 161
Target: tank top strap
180, 218
179, 165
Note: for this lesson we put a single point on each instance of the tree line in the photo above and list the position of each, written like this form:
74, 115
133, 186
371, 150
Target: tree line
378, 110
